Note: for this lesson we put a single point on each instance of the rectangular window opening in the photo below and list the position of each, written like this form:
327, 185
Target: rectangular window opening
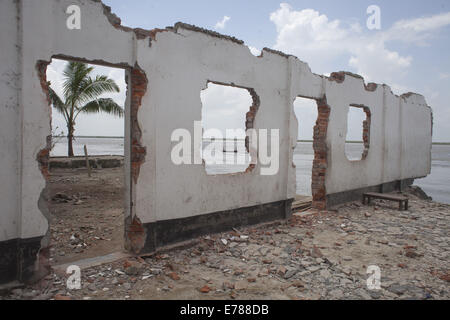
227, 113
306, 113
357, 142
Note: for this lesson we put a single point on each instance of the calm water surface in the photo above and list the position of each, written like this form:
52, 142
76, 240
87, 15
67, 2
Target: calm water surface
436, 185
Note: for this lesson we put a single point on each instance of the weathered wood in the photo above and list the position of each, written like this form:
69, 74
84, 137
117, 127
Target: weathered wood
386, 196
402, 200
88, 165
301, 202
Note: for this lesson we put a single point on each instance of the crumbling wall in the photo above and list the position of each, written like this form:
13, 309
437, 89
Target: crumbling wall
10, 139
34, 32
400, 143
166, 71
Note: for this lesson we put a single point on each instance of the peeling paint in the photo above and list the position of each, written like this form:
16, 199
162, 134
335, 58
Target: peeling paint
135, 235
138, 89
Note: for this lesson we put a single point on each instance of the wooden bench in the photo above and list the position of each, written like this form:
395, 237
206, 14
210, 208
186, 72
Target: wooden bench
402, 200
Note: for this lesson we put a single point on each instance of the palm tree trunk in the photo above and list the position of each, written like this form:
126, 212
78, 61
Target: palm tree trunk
70, 146
70, 141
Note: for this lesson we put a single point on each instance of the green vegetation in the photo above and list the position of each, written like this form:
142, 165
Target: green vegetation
81, 95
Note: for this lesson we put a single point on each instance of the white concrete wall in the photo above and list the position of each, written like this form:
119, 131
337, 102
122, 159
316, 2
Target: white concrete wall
25, 114
400, 136
10, 123
178, 68
178, 64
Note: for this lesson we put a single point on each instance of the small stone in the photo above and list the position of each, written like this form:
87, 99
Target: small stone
174, 276
316, 253
126, 286
325, 274
281, 271
397, 289
298, 284
92, 287
227, 285
29, 294
347, 258
375, 294
411, 254
241, 285
205, 289
155, 271
313, 268
336, 294
132, 268
238, 272
17, 292
445, 277
290, 273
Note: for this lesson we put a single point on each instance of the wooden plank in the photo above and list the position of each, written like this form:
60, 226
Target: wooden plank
88, 165
301, 202
386, 196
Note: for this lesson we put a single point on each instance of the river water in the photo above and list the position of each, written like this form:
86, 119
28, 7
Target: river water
436, 185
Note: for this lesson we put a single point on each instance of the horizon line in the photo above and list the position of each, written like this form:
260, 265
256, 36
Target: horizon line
301, 140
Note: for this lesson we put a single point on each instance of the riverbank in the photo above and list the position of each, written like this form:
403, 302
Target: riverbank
96, 162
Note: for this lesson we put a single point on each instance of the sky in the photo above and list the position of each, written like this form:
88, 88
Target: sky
409, 51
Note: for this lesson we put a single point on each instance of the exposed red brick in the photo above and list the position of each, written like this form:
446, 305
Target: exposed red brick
135, 235
43, 155
371, 86
138, 89
339, 77
320, 164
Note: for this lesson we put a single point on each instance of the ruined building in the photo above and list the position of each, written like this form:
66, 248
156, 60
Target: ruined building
166, 71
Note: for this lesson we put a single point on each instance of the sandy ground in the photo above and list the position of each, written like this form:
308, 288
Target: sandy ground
315, 256
86, 213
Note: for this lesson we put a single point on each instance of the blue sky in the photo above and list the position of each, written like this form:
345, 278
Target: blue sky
410, 52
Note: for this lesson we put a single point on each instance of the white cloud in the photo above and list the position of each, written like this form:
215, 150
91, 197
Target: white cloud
254, 51
417, 31
308, 34
316, 39
220, 25
331, 45
423, 24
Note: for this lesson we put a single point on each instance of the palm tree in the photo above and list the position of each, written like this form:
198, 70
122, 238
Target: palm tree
81, 95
